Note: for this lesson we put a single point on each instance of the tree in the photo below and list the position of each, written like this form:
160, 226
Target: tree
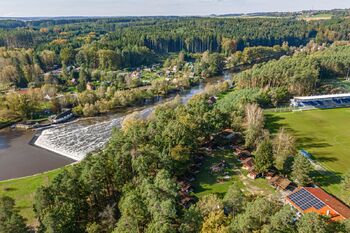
312, 223
22, 105
282, 221
254, 123
83, 80
257, 213
209, 203
301, 170
229, 46
264, 156
191, 221
234, 199
134, 214
67, 56
283, 148
10, 220
216, 222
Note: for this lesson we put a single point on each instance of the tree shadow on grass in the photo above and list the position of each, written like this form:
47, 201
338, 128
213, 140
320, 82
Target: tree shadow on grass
309, 142
9, 189
326, 159
272, 123
326, 178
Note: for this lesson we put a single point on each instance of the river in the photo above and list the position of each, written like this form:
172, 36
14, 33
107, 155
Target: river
70, 142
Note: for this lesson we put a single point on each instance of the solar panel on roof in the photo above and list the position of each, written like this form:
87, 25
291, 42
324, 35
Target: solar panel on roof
306, 200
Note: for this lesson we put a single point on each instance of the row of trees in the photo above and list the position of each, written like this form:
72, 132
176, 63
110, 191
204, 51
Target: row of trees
274, 152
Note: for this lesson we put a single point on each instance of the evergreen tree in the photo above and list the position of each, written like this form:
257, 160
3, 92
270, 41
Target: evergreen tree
301, 170
264, 156
10, 220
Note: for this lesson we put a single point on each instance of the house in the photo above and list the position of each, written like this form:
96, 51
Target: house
212, 100
90, 86
280, 182
307, 199
252, 174
242, 154
187, 201
226, 139
248, 163
185, 187
270, 174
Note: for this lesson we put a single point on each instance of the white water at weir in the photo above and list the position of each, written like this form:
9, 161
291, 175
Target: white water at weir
75, 140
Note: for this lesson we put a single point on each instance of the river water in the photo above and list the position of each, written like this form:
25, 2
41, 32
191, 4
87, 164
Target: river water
70, 142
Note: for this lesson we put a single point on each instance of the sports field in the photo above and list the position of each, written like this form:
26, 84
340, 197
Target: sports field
323, 133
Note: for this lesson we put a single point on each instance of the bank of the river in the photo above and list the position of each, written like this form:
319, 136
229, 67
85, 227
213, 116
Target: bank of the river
18, 158
23, 191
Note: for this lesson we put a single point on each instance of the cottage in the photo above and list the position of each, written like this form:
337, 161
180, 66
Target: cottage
90, 87
212, 100
280, 182
270, 174
253, 174
242, 154
248, 163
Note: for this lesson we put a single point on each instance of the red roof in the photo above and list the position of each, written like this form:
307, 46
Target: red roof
331, 201
248, 162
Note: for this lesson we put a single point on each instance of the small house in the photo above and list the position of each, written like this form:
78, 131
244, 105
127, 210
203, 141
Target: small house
280, 182
248, 163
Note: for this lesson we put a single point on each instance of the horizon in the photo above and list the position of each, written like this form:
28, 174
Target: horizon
138, 8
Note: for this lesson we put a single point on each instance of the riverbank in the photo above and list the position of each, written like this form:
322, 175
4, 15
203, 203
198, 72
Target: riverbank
23, 191
69, 142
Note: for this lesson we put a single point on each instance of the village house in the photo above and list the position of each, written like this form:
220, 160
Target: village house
90, 86
307, 199
253, 174
280, 182
248, 164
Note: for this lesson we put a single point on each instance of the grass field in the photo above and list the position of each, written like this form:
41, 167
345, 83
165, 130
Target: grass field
23, 191
323, 133
317, 17
207, 183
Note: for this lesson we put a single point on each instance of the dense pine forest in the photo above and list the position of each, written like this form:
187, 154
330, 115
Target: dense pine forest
99, 65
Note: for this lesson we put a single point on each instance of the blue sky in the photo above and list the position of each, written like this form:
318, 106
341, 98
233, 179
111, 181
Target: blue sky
157, 7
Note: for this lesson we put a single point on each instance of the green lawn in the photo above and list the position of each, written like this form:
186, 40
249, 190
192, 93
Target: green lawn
323, 133
207, 182
23, 191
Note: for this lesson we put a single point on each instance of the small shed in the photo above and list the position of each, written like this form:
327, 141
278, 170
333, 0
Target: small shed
280, 182
248, 163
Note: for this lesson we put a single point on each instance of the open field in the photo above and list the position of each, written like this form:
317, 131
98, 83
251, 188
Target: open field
323, 133
23, 191
317, 17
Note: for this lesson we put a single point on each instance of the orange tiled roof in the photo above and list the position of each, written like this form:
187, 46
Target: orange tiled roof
331, 201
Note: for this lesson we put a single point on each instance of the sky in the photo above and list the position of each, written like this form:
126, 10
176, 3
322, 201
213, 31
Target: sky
23, 8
